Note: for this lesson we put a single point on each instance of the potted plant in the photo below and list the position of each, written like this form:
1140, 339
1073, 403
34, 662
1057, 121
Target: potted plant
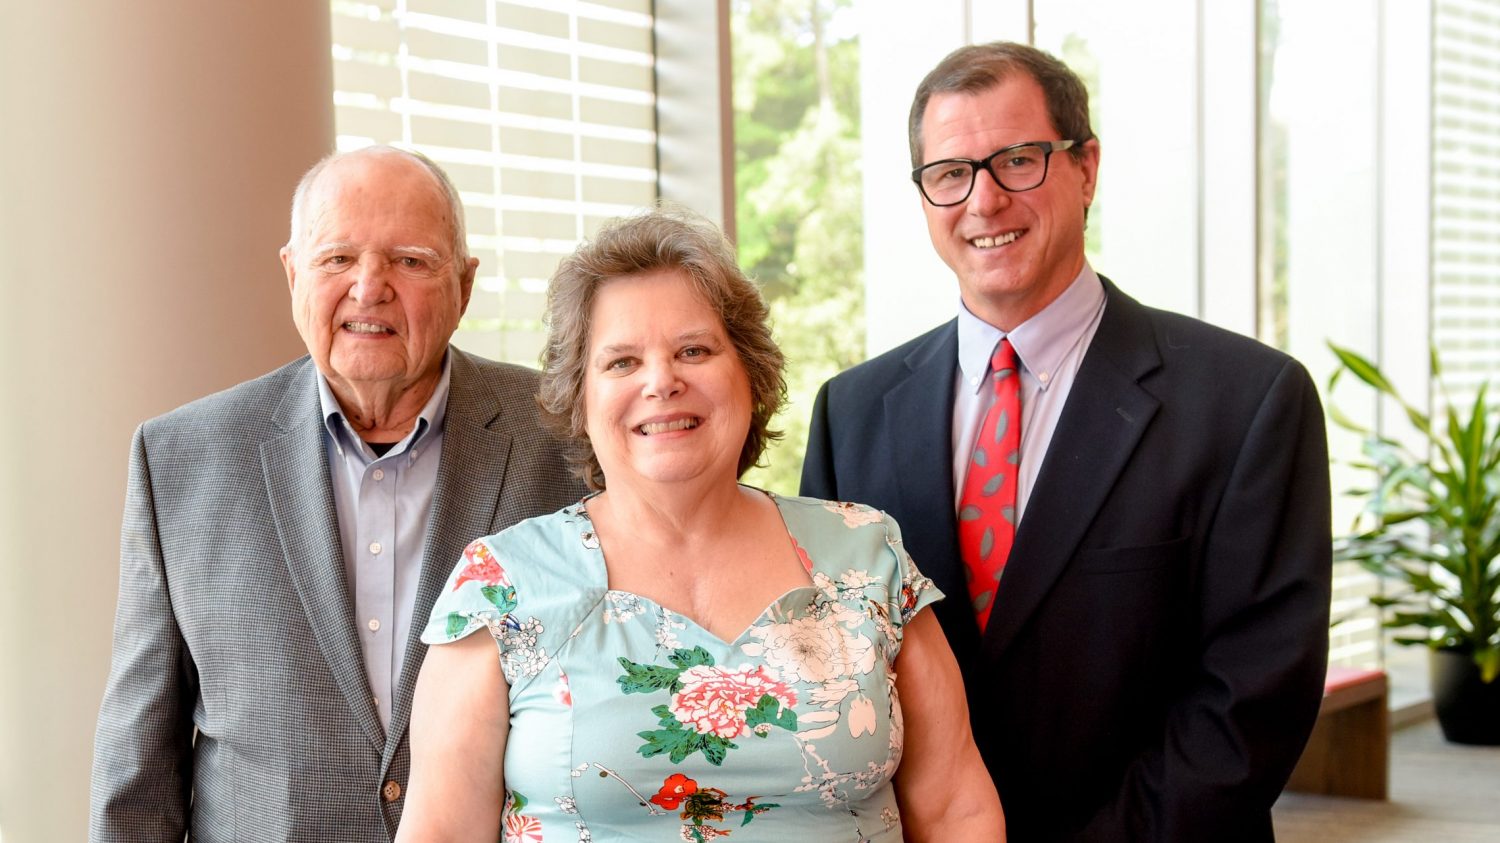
1431, 525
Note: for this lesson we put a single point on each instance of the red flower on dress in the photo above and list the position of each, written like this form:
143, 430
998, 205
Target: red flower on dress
674, 789
482, 567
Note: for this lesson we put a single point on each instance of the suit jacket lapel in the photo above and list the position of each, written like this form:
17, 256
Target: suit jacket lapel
471, 473
919, 426
1106, 413
307, 522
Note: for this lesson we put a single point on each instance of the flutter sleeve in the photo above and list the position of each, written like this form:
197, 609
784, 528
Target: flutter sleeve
875, 566
910, 591
524, 588
478, 595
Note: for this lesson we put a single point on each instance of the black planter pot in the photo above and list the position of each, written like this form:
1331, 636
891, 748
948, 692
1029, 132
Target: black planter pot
1468, 710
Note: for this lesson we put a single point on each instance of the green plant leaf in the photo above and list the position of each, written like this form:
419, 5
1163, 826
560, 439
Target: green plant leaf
1337, 417
1488, 659
1362, 368
1431, 518
1431, 620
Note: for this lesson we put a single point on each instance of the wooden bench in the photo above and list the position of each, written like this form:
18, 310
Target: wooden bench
1349, 751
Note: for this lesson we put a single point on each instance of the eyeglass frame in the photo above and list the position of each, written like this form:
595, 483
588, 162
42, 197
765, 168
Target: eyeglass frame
1047, 147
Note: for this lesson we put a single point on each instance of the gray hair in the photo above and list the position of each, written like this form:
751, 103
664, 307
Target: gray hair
666, 238
979, 67
455, 203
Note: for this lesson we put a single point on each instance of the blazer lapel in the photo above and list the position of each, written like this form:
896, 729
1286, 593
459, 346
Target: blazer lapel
919, 446
471, 473
1106, 413
295, 465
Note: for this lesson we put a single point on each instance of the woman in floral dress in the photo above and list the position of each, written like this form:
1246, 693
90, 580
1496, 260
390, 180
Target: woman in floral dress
681, 657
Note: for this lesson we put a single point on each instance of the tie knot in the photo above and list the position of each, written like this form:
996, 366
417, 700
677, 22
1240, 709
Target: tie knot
1003, 361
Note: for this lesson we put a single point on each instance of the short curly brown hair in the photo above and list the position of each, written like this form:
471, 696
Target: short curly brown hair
664, 238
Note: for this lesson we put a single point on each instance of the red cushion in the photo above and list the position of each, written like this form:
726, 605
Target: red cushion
1340, 678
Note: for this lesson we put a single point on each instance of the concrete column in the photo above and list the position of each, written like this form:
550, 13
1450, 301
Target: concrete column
148, 151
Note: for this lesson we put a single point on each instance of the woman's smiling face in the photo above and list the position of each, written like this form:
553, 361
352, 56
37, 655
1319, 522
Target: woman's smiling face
666, 397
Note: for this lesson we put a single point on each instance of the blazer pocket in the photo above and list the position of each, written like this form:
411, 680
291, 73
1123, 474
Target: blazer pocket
1119, 560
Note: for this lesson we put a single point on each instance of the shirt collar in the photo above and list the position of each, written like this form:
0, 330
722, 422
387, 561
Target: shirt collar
1040, 342
431, 417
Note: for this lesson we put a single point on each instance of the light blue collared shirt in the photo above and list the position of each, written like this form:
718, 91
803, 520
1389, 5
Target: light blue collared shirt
1049, 349
382, 504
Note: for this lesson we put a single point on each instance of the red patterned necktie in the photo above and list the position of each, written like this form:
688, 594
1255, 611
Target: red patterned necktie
987, 508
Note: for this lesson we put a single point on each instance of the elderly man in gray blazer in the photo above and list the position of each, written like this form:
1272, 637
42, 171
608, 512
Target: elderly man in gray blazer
282, 538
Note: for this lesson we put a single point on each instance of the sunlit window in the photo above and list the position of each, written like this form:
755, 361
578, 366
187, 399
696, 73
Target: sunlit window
797, 182
542, 112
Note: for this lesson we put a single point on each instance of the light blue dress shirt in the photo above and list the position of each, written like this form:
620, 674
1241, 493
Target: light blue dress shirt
382, 504
1049, 349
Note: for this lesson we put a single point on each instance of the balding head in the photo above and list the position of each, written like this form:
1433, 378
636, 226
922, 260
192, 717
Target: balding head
440, 180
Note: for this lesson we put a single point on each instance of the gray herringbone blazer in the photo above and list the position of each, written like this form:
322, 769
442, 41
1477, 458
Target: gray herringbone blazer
234, 618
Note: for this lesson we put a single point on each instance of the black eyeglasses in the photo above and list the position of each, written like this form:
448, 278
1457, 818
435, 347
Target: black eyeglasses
1017, 168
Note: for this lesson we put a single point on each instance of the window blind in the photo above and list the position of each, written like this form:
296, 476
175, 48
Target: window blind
1466, 193
543, 113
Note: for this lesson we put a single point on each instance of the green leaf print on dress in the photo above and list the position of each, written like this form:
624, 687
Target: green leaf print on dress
710, 705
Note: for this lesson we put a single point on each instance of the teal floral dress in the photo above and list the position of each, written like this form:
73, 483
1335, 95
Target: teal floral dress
631, 722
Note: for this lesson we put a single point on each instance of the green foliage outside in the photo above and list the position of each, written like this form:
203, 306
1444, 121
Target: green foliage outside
799, 218
1076, 53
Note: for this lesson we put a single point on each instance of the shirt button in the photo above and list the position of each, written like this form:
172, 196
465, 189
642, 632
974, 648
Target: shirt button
1043, 377
378, 474
391, 791
374, 624
375, 547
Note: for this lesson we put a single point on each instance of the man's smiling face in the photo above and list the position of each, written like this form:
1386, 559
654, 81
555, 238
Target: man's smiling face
1013, 253
376, 288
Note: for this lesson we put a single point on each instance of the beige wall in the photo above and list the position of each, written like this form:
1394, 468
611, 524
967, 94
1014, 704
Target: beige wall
147, 155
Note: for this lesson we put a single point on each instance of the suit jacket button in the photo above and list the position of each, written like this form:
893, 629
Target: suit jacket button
391, 791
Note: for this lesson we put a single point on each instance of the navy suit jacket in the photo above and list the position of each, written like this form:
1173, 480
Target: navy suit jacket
1156, 655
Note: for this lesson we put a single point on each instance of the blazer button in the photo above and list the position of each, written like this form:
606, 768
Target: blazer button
391, 791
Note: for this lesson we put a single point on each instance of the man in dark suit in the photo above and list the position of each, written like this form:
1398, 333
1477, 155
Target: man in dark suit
1147, 661
284, 540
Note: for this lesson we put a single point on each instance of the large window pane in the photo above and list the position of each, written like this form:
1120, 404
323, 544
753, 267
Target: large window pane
1143, 227
542, 112
798, 208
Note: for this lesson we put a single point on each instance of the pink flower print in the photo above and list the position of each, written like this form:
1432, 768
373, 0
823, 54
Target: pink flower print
713, 701
807, 563
519, 828
482, 567
854, 514
561, 692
